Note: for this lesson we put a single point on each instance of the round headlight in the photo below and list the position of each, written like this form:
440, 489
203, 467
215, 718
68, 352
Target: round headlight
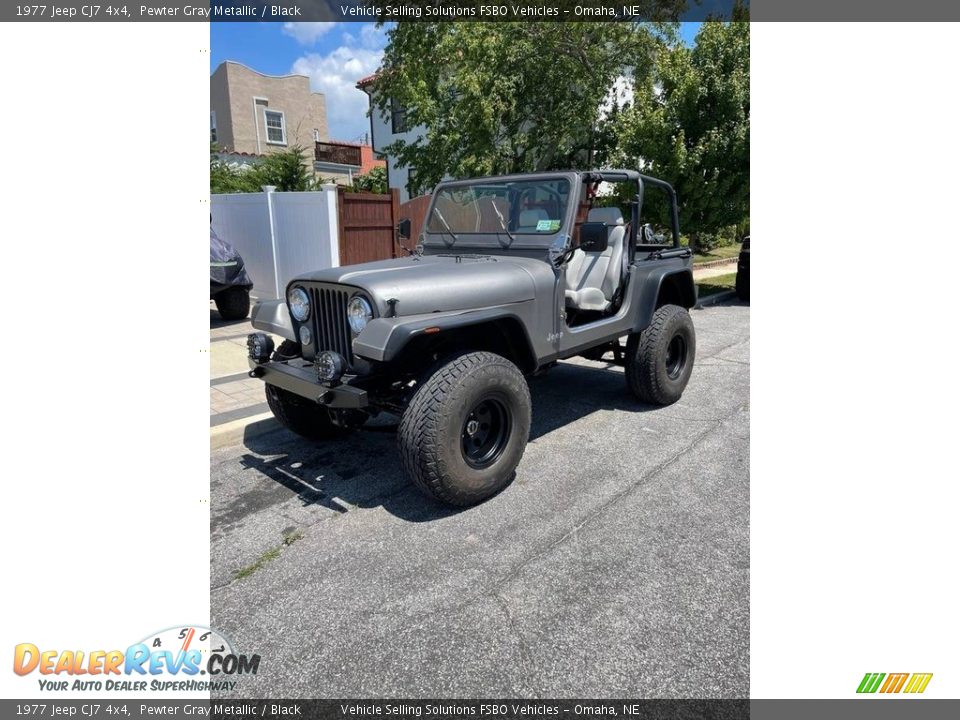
359, 313
299, 304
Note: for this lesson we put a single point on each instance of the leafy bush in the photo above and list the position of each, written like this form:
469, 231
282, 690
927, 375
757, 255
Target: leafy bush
283, 170
725, 236
374, 181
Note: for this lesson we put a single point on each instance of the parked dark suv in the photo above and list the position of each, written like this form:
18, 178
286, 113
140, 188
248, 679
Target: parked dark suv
743, 271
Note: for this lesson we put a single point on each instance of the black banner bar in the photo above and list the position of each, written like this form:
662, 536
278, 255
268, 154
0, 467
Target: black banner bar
474, 10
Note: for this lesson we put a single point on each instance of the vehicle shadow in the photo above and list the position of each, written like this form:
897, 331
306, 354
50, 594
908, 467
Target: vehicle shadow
363, 470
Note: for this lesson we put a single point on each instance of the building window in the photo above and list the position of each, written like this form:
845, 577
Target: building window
276, 127
213, 126
398, 117
413, 185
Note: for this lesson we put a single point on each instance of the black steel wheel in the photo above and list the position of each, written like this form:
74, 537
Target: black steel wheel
486, 431
676, 360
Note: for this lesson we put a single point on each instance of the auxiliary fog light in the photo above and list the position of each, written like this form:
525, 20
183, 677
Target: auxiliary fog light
330, 366
260, 347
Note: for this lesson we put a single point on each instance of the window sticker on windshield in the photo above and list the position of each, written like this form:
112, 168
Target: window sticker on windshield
548, 225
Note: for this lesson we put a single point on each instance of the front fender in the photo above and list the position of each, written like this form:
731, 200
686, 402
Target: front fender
384, 338
272, 316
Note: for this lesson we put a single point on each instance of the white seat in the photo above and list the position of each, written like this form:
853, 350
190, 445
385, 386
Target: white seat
593, 278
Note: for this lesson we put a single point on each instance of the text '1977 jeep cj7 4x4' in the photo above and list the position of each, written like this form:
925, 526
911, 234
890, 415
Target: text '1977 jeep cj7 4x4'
512, 273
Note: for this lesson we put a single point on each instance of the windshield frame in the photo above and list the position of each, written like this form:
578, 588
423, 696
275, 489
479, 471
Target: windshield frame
500, 238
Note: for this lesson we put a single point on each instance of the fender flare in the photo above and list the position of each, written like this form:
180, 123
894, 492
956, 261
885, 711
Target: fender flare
676, 284
385, 338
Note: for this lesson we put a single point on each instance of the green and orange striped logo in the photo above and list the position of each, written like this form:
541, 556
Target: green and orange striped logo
894, 682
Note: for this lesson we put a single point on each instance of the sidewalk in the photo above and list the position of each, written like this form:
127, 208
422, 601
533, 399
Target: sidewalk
714, 270
233, 394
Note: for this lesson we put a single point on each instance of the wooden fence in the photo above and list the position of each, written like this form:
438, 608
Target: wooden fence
367, 226
416, 210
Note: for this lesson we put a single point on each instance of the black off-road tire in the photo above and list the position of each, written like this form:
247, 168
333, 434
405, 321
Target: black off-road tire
307, 419
446, 461
233, 303
743, 285
655, 373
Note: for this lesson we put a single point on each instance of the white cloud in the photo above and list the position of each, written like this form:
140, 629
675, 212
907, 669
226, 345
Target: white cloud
307, 33
370, 37
336, 74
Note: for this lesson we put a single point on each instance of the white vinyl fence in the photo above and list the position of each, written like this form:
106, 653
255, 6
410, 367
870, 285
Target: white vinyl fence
279, 234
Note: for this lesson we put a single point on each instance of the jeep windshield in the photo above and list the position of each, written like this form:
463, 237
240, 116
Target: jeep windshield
500, 208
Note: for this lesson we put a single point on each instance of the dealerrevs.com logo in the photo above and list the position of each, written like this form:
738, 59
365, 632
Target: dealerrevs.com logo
183, 658
911, 683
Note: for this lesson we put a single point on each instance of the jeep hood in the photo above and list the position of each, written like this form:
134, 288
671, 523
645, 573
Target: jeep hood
437, 283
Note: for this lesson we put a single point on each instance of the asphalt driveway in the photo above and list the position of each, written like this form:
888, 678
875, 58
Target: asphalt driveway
616, 565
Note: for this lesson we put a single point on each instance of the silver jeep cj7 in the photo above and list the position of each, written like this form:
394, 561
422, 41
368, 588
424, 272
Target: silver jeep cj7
511, 275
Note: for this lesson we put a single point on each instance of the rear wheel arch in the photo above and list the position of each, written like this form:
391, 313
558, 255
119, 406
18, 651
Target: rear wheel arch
667, 287
677, 289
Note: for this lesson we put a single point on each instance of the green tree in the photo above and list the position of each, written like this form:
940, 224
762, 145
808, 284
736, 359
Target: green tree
690, 124
285, 170
374, 181
507, 97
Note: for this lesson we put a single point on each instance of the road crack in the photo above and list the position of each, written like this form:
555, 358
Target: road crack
526, 654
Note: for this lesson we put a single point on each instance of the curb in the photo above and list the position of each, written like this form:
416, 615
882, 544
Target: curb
715, 263
236, 431
714, 299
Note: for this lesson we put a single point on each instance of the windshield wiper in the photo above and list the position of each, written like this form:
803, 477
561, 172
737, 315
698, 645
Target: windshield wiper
446, 225
503, 223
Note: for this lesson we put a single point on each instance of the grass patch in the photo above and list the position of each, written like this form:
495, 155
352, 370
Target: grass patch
728, 252
268, 556
720, 283
290, 538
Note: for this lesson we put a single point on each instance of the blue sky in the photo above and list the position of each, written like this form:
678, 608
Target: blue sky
333, 55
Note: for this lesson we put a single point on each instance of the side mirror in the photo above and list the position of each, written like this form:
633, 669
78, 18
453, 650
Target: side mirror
593, 237
403, 228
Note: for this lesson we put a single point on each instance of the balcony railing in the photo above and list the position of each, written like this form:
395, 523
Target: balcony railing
338, 154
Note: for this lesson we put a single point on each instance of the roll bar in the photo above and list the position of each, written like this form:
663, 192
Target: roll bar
674, 212
641, 180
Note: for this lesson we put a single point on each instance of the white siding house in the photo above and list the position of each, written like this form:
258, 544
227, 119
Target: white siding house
388, 127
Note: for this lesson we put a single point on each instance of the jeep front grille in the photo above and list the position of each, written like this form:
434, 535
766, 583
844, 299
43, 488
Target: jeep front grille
329, 315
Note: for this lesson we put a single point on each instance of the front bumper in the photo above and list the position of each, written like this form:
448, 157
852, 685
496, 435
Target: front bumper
302, 380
